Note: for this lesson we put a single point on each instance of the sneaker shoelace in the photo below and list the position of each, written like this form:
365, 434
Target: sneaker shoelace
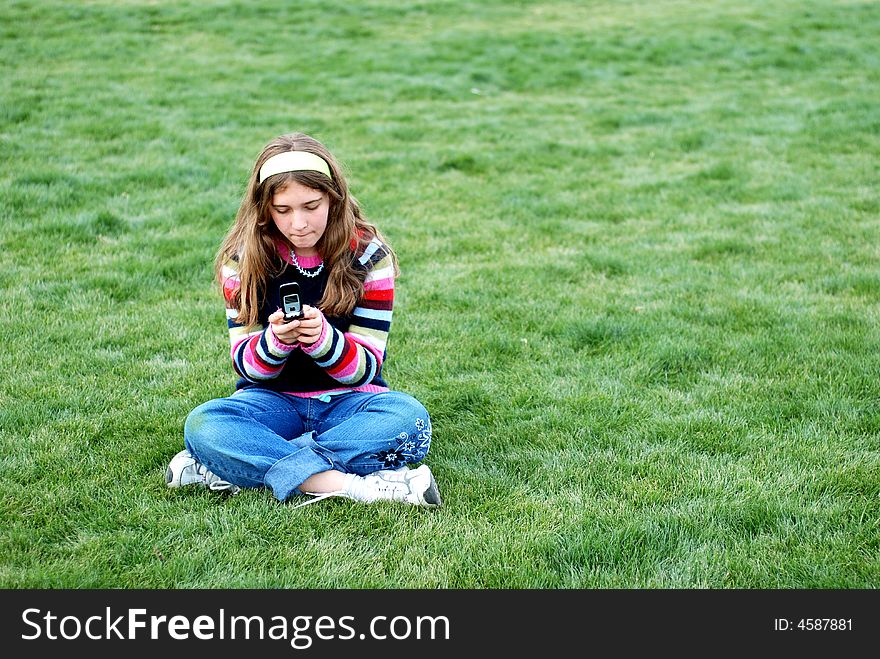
320, 497
358, 489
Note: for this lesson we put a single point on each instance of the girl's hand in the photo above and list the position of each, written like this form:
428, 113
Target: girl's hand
305, 330
310, 325
284, 332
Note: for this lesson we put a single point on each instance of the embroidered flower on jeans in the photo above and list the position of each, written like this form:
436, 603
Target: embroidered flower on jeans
390, 458
424, 436
408, 449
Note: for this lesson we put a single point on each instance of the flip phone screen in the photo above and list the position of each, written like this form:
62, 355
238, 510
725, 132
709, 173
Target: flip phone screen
290, 301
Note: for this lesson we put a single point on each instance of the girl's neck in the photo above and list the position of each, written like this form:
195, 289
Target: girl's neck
287, 252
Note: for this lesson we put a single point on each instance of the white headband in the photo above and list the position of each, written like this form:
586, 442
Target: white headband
293, 161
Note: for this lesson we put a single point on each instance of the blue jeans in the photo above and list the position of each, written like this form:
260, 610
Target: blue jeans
257, 437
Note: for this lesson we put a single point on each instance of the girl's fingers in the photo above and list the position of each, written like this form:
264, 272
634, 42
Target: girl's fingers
313, 336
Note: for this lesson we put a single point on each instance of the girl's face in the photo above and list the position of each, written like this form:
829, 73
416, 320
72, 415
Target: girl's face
300, 213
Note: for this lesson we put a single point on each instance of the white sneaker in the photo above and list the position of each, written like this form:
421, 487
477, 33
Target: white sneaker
413, 486
184, 469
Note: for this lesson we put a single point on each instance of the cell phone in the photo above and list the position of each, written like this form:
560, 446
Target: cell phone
290, 301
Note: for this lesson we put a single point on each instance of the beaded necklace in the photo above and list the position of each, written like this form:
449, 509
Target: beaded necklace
300, 269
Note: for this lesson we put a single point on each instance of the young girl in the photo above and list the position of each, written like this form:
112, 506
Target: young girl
311, 413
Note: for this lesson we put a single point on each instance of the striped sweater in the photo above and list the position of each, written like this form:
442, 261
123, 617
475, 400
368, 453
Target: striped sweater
350, 351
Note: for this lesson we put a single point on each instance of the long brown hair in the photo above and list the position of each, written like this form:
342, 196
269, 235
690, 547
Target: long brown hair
252, 238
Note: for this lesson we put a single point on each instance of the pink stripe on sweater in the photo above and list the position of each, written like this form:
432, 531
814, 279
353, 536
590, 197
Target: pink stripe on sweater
304, 261
235, 346
309, 261
355, 366
365, 344
388, 282
367, 388
252, 366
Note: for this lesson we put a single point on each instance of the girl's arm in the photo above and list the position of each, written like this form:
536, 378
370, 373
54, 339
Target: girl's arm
353, 358
257, 355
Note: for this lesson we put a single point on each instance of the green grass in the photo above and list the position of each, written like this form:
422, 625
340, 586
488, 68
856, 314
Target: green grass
640, 291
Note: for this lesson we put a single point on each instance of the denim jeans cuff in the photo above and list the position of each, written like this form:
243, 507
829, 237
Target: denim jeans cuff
285, 476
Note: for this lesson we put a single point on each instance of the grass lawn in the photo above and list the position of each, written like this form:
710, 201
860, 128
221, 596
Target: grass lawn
640, 292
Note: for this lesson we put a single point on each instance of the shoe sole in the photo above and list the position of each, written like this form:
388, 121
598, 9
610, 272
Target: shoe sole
169, 472
431, 496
